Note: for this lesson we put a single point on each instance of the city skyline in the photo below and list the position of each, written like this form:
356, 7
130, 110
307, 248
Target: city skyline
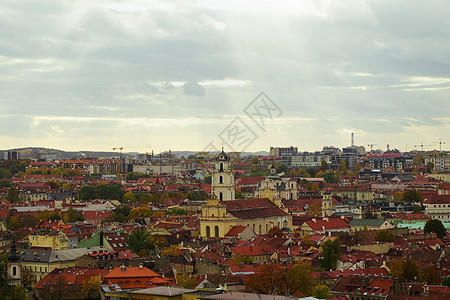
93, 75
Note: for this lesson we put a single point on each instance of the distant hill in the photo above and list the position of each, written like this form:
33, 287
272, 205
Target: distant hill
49, 153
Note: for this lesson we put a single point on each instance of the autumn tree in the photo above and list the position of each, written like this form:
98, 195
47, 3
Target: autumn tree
187, 281
275, 232
173, 250
267, 281
297, 279
384, 236
91, 287
405, 269
436, 226
331, 252
315, 210
322, 292
140, 212
129, 197
13, 195
121, 213
14, 223
71, 215
412, 196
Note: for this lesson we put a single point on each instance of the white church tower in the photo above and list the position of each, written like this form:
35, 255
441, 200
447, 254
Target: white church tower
222, 184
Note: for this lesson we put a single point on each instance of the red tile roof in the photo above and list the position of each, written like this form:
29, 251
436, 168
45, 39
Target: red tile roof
136, 277
235, 230
327, 224
253, 208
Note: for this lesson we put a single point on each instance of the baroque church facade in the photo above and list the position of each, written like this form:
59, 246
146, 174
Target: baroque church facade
223, 212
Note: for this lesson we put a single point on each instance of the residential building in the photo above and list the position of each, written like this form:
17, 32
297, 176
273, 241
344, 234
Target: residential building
280, 151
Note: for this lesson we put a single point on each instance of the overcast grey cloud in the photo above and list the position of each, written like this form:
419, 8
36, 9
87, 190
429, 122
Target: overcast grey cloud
97, 74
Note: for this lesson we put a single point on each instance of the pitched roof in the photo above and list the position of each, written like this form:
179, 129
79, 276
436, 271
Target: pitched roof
366, 222
235, 230
253, 208
131, 272
327, 224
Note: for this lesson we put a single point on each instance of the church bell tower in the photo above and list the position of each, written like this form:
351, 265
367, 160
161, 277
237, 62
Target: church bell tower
222, 184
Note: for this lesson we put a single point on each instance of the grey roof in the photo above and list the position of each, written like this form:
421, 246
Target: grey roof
50, 256
162, 291
249, 296
366, 222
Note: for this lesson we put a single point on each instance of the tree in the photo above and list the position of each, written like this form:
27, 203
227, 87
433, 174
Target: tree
267, 281
405, 270
13, 195
412, 196
417, 209
384, 236
398, 196
436, 226
324, 165
315, 210
137, 240
331, 252
71, 215
187, 281
446, 281
178, 212
275, 232
298, 279
91, 287
173, 250
239, 195
129, 197
140, 212
14, 223
121, 213
322, 292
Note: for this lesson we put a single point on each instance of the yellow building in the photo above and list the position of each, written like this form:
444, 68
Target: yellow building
54, 240
222, 212
41, 262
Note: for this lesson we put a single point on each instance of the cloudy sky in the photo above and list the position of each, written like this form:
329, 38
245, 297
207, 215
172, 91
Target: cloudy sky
181, 75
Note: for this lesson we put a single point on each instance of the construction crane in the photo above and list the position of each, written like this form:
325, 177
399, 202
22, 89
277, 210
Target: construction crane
440, 144
421, 146
371, 146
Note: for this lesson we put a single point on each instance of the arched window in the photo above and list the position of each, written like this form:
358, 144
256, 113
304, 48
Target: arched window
216, 231
220, 179
267, 228
260, 229
221, 167
221, 196
254, 227
208, 231
14, 271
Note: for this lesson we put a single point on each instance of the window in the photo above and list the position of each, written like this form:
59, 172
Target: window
216, 231
220, 179
137, 282
127, 282
14, 271
208, 231
120, 282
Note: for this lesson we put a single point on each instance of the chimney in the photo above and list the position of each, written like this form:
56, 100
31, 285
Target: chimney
141, 266
314, 220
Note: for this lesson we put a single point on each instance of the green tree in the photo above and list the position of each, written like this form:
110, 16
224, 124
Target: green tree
239, 195
281, 168
197, 195
137, 240
178, 212
446, 281
71, 215
436, 226
121, 213
324, 165
331, 252
384, 236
